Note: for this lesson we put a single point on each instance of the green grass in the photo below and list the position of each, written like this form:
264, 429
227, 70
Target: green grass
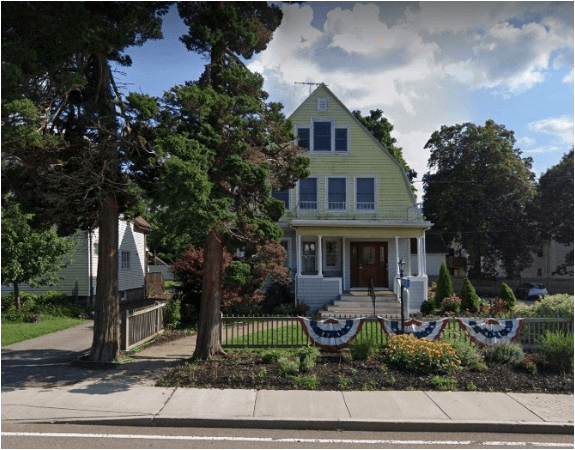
171, 284
13, 333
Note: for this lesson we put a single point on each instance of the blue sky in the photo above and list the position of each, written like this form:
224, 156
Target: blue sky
425, 64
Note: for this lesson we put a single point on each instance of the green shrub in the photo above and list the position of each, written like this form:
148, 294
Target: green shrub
467, 352
272, 355
444, 383
556, 348
450, 305
560, 305
506, 353
409, 353
444, 285
308, 382
238, 273
362, 349
308, 357
469, 298
287, 366
428, 307
173, 313
506, 293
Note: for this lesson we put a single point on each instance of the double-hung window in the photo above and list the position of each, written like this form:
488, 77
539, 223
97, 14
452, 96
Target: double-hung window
283, 196
322, 136
125, 260
365, 194
308, 194
308, 258
303, 137
336, 194
341, 140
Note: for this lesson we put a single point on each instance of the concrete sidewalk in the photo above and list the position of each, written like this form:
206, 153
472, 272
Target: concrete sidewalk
117, 404
39, 387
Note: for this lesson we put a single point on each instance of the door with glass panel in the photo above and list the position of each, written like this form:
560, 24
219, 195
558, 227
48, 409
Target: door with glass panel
369, 261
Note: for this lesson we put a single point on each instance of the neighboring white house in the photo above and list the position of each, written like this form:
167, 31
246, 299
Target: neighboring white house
156, 264
79, 277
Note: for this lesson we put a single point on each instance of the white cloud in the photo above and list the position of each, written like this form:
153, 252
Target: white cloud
568, 78
560, 127
526, 141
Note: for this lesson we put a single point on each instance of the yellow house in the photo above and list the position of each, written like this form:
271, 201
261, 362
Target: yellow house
354, 218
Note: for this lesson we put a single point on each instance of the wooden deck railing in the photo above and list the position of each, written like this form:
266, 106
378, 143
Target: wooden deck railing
268, 331
141, 324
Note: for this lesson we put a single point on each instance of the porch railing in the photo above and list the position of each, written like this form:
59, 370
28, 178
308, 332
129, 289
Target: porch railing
268, 331
355, 210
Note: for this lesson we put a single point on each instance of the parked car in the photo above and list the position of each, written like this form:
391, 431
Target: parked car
531, 291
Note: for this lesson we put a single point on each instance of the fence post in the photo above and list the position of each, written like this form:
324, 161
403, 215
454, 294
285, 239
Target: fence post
127, 329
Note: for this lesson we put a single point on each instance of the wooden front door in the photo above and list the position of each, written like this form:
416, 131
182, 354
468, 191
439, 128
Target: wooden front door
369, 261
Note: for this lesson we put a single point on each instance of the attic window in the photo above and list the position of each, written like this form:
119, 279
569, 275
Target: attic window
322, 104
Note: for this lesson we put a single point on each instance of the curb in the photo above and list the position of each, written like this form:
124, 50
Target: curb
323, 424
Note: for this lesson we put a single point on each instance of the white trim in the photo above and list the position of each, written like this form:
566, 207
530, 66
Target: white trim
322, 104
361, 223
375, 196
289, 251
326, 194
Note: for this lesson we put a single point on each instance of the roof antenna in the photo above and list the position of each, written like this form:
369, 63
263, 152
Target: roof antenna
310, 84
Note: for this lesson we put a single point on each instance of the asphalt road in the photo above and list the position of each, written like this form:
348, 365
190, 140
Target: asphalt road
75, 436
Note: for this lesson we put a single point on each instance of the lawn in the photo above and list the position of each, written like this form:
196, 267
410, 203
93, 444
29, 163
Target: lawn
14, 332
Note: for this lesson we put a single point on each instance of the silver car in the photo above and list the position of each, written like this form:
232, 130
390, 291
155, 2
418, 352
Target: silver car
531, 291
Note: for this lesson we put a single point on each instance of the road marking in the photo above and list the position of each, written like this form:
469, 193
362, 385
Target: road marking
284, 440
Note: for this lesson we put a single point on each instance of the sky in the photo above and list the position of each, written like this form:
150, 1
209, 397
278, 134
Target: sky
425, 64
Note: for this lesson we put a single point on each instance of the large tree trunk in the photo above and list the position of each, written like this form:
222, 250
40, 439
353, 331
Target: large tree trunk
106, 343
208, 343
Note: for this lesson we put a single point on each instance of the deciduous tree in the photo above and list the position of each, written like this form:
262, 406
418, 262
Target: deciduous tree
29, 255
478, 192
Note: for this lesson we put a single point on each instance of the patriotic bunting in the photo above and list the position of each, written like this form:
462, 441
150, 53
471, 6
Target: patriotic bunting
491, 331
421, 330
331, 335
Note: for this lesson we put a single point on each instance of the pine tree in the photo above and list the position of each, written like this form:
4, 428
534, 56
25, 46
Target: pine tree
469, 299
506, 293
444, 285
232, 146
66, 145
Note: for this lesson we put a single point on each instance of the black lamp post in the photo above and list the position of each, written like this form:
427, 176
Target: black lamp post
401, 267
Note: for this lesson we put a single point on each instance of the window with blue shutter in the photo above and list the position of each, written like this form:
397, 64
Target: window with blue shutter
303, 137
341, 140
283, 196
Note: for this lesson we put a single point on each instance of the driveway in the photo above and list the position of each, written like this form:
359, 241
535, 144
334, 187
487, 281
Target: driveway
51, 361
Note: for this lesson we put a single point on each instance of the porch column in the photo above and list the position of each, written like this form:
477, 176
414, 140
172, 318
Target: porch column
419, 257
395, 289
409, 257
319, 262
298, 253
424, 257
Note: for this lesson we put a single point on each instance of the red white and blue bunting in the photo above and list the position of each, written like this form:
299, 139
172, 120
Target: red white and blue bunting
422, 330
491, 331
331, 335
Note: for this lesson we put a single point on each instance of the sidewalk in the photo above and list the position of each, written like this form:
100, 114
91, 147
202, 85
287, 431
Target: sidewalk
128, 397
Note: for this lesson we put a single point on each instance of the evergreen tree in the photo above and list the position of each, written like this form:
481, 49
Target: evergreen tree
68, 150
230, 145
469, 299
444, 285
506, 293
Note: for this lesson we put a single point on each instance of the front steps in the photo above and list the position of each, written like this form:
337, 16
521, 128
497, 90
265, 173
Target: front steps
359, 304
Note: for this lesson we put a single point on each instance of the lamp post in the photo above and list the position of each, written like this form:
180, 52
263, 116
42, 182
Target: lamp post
401, 267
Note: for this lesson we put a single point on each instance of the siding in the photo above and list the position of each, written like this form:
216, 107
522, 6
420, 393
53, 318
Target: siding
133, 242
74, 277
366, 158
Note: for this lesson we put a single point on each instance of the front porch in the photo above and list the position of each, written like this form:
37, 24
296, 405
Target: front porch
329, 261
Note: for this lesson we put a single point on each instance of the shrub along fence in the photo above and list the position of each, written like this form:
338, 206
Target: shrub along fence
269, 331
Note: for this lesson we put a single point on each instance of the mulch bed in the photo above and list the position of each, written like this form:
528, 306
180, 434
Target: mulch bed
242, 372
